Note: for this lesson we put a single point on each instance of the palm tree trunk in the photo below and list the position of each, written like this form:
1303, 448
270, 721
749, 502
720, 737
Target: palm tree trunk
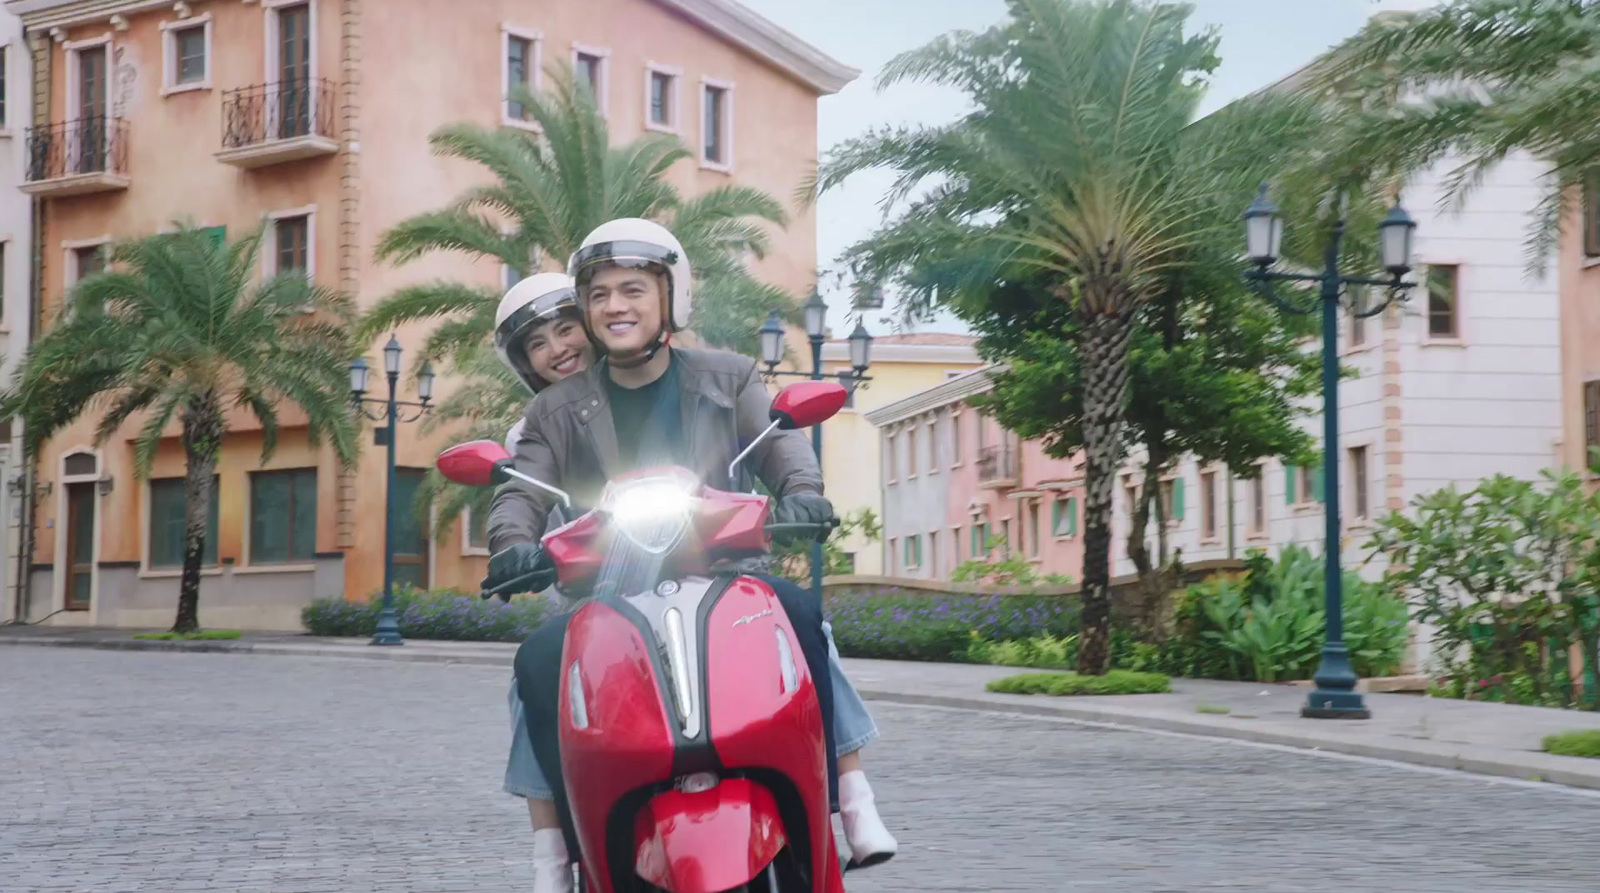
1103, 351
202, 441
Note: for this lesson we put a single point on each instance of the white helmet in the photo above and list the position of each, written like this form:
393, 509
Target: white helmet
637, 243
535, 300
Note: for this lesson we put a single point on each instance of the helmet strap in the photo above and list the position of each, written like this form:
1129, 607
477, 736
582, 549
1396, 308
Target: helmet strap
639, 358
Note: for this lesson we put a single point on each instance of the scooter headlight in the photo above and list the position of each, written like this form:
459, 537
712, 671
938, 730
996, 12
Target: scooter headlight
652, 512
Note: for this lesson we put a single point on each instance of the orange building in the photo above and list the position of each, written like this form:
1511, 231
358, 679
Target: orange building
310, 118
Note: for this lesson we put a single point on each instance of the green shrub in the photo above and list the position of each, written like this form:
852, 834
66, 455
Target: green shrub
1045, 652
1578, 743
1116, 682
201, 635
889, 625
439, 614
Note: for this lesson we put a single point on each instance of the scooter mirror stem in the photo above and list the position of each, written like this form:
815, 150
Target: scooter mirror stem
734, 465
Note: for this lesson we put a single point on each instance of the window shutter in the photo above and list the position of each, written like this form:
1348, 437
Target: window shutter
1055, 517
1317, 485
1072, 516
1177, 499
1591, 414
217, 234
1591, 216
1289, 474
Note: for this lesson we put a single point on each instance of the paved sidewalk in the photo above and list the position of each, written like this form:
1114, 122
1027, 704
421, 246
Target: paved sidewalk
1489, 739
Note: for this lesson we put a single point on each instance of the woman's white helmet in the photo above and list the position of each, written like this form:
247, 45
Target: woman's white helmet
637, 243
535, 300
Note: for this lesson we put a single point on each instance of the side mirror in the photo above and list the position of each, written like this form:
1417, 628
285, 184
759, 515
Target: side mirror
480, 463
807, 403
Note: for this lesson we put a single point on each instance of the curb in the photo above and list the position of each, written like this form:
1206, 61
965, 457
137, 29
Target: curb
1535, 765
1529, 765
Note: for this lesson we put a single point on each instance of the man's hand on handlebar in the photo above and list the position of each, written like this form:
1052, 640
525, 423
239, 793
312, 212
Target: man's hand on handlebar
803, 516
520, 567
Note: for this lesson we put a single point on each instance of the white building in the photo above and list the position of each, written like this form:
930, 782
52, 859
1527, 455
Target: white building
1454, 386
16, 304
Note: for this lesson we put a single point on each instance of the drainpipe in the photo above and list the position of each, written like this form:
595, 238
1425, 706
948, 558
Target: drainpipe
1230, 514
29, 460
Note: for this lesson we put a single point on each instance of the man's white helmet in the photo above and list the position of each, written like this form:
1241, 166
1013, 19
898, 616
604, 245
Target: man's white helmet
535, 300
638, 243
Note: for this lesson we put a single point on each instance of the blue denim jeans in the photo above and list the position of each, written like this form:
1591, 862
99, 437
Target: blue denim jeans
853, 729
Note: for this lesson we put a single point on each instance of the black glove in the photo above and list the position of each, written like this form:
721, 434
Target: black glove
516, 562
805, 508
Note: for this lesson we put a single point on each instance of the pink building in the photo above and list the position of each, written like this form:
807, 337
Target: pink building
956, 486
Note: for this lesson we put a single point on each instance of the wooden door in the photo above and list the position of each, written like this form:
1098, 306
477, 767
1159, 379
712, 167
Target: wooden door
79, 563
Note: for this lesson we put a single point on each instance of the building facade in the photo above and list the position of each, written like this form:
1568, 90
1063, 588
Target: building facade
957, 487
902, 365
16, 321
305, 119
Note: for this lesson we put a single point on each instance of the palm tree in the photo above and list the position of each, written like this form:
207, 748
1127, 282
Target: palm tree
1079, 164
1476, 81
181, 327
551, 189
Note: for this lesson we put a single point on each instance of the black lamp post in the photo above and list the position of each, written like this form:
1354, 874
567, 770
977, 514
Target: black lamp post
816, 322
1335, 695
388, 632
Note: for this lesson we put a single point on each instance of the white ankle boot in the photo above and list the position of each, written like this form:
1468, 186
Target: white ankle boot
552, 869
870, 842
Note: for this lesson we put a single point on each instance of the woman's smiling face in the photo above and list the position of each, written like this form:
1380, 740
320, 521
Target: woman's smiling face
558, 349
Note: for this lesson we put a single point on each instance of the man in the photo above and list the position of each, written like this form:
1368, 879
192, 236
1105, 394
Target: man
649, 403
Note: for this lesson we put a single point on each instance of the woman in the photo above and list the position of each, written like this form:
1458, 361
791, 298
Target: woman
539, 334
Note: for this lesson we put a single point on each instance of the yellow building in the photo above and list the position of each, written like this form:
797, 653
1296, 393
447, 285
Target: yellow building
310, 119
852, 469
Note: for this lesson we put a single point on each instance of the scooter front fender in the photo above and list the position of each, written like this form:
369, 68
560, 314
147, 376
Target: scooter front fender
707, 841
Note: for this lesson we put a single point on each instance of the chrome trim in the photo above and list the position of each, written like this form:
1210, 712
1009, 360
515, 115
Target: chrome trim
673, 617
791, 674
576, 703
678, 665
734, 465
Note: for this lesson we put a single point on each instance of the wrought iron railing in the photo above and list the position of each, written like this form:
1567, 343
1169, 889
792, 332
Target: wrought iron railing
996, 463
92, 145
284, 110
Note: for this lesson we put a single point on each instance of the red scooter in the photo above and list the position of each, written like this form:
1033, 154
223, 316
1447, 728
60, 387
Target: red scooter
691, 737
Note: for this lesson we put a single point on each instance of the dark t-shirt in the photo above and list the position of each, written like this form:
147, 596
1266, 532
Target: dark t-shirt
649, 420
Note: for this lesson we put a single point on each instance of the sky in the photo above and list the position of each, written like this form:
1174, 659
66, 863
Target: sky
1261, 41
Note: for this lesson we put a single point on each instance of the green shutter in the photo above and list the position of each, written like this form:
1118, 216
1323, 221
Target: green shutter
1317, 484
217, 234
1177, 499
1288, 482
1072, 516
1055, 517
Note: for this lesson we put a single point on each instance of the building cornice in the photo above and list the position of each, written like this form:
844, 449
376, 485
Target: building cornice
839, 352
936, 397
755, 34
38, 14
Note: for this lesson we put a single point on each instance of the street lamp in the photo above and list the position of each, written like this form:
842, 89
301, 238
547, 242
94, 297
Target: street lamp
388, 632
1335, 695
816, 322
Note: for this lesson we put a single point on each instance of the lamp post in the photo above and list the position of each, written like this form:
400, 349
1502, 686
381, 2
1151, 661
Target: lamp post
1335, 695
388, 632
816, 323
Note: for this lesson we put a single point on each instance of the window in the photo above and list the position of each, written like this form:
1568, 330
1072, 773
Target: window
283, 516
1358, 323
521, 69
913, 553
894, 555
1591, 216
1208, 505
1444, 317
1360, 507
933, 446
1005, 538
295, 91
1302, 484
716, 134
3, 282
1591, 414
933, 553
663, 99
167, 499
1172, 500
4, 58
955, 437
1064, 520
1258, 501
291, 241
847, 562
1033, 528
186, 48
87, 261
410, 530
589, 68
911, 451
888, 458
477, 529
980, 541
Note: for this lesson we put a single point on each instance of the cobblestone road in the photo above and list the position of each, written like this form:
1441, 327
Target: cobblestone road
171, 772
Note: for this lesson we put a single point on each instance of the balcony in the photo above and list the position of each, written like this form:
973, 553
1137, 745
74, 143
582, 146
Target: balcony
997, 467
278, 123
79, 157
